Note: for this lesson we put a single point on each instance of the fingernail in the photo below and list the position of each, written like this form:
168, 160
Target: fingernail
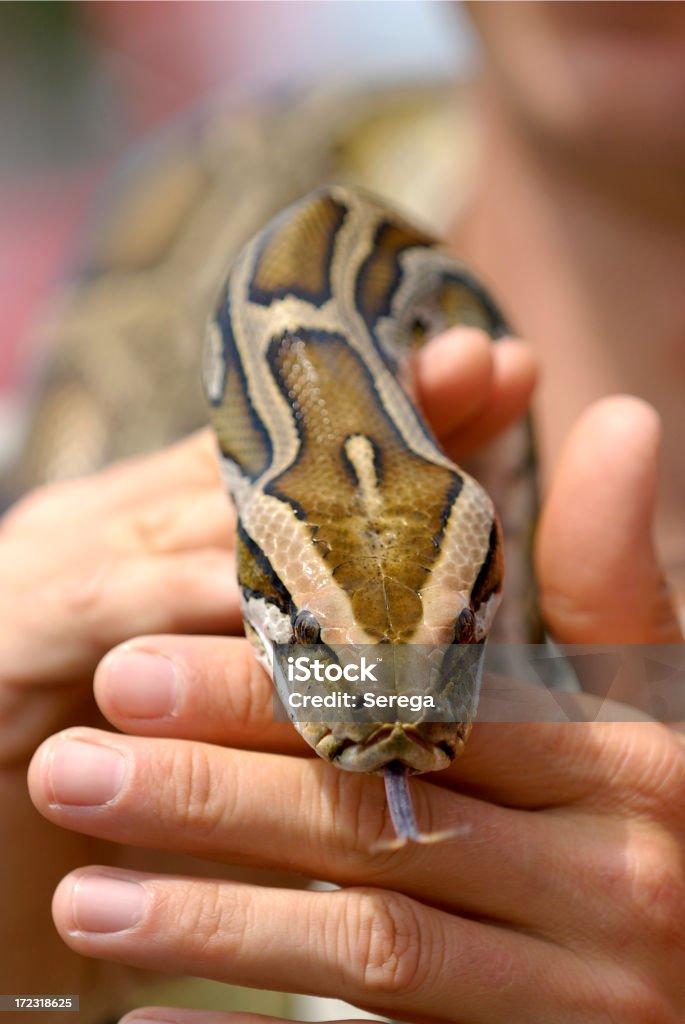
458, 337
85, 774
142, 684
135, 1018
103, 904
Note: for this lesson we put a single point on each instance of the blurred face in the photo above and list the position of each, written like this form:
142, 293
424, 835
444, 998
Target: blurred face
609, 75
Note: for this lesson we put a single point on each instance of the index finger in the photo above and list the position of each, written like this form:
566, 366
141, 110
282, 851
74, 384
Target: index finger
223, 696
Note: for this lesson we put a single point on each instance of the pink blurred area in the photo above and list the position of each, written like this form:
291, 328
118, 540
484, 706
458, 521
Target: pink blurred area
39, 217
164, 55
144, 62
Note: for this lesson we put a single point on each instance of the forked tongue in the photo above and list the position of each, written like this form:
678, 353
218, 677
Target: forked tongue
402, 813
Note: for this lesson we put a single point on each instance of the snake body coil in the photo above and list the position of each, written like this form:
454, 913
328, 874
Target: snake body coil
353, 526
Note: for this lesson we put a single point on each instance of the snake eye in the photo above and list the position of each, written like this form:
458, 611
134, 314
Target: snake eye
465, 627
306, 629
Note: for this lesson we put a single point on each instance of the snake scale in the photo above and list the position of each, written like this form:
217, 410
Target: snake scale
353, 526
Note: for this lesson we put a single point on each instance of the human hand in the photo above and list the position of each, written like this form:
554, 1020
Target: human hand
145, 546
564, 901
85, 565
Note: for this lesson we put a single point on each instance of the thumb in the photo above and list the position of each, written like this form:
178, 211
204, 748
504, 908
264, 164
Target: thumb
599, 578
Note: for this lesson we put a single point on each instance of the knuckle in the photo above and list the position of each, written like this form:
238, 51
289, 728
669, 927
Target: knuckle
84, 590
658, 893
151, 530
201, 917
664, 773
359, 804
212, 922
652, 771
197, 804
640, 1001
646, 884
83, 595
390, 953
642, 764
244, 691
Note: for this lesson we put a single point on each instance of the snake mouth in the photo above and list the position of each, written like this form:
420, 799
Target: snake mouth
425, 748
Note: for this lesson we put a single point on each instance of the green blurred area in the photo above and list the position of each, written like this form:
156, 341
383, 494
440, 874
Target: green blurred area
43, 23
54, 94
199, 994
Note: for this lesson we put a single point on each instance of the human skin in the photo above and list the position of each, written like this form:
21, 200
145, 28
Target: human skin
145, 545
565, 902
593, 810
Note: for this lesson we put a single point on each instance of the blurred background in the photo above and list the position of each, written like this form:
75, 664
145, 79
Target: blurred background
83, 83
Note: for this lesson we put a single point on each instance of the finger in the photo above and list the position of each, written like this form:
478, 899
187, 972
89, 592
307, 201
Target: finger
305, 816
471, 388
377, 949
221, 695
512, 384
266, 810
599, 577
190, 464
453, 377
71, 621
202, 688
187, 520
610, 766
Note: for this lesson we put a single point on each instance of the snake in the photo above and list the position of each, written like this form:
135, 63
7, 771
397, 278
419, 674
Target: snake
353, 526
